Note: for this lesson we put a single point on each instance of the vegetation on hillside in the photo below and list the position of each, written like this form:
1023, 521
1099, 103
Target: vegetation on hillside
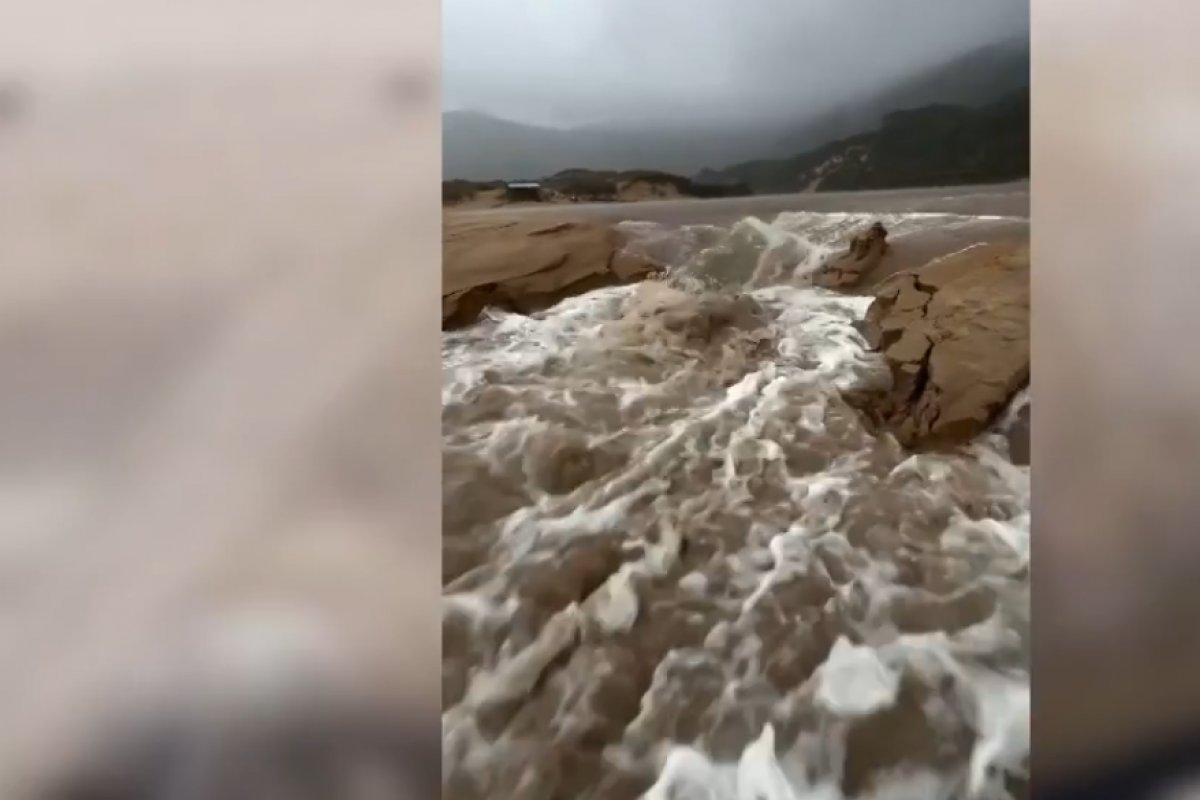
597, 185
929, 146
459, 191
478, 145
938, 144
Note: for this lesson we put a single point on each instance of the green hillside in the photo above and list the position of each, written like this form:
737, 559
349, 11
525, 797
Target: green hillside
928, 146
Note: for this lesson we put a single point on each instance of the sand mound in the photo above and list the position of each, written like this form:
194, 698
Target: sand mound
955, 334
526, 265
642, 189
861, 258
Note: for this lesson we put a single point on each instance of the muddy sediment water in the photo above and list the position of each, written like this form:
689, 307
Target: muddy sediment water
677, 564
1009, 200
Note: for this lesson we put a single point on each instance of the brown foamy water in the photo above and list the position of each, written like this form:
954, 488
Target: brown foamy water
676, 564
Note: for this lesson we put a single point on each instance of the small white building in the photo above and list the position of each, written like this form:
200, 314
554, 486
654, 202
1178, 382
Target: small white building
523, 190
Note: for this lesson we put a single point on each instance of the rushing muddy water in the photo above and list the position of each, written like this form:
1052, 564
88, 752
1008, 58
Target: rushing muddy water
677, 565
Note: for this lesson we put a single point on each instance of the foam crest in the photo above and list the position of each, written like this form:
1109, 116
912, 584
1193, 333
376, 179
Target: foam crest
678, 565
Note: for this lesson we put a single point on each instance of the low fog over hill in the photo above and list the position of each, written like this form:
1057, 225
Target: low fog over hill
525, 106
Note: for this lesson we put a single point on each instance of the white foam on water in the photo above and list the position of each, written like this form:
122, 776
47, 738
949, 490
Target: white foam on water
475, 606
516, 676
694, 582
854, 681
615, 605
688, 774
742, 498
1003, 711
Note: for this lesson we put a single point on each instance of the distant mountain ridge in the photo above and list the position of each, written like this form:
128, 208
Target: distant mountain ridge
928, 146
481, 147
976, 78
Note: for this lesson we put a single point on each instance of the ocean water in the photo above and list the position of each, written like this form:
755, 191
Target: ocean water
677, 565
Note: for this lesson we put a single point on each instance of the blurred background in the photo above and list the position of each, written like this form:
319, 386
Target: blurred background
218, 419
1116, 177
219, 461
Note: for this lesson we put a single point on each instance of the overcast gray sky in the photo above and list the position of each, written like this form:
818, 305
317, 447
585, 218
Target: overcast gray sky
567, 62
